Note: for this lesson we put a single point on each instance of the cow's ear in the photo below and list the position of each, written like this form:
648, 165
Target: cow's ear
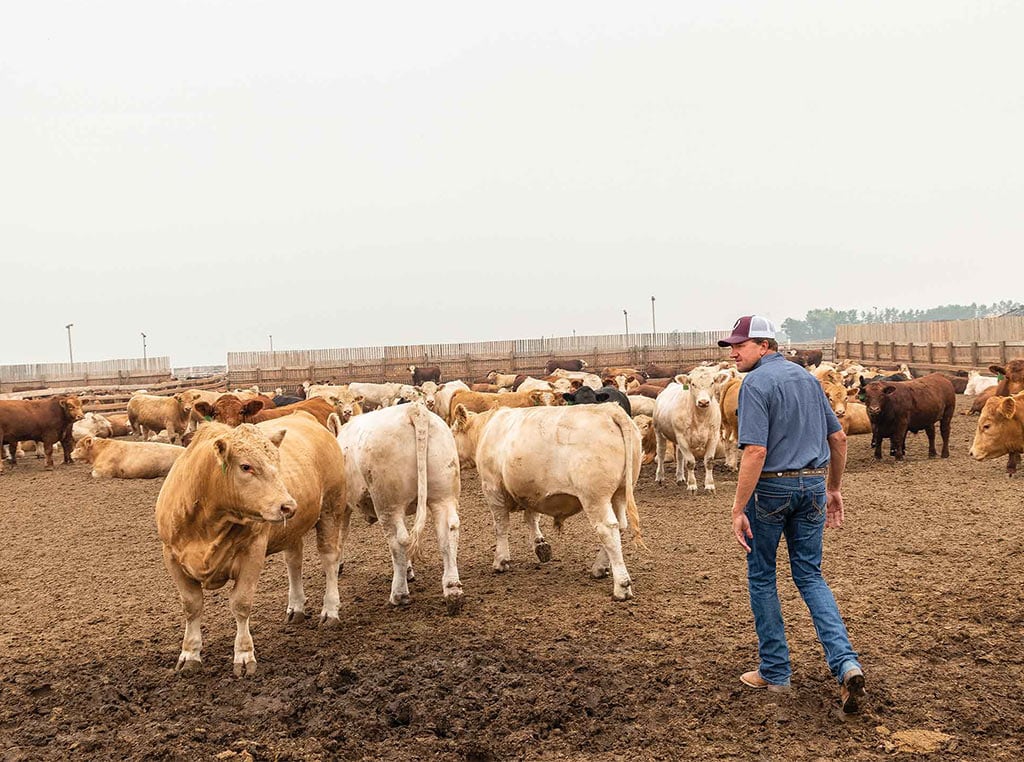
1007, 407
997, 369
222, 449
576, 384
276, 437
459, 417
722, 376
334, 424
252, 407
888, 389
204, 409
602, 396
537, 397
358, 398
683, 379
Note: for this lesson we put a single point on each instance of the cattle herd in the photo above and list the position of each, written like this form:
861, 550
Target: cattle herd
248, 473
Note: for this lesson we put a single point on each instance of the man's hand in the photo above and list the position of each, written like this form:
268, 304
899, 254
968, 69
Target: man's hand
741, 528
833, 508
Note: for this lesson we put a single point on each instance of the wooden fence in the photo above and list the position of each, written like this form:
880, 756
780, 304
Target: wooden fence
125, 372
114, 399
288, 369
935, 345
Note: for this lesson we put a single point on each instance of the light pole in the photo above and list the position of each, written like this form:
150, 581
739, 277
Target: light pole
271, 337
626, 316
143, 346
654, 325
71, 353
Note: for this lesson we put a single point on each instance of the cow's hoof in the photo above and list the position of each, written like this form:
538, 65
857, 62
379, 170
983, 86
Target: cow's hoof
692, 488
400, 600
710, 489
600, 572
453, 603
502, 566
623, 594
186, 667
296, 617
329, 622
45, 468
410, 575
341, 568
245, 668
543, 551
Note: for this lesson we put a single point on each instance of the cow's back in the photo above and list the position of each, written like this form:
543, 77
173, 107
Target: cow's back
536, 452
31, 419
932, 398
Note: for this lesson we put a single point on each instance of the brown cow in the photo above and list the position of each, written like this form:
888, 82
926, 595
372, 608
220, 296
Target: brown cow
804, 357
230, 410
653, 370
901, 406
119, 425
235, 496
1010, 382
421, 373
47, 420
648, 390
565, 364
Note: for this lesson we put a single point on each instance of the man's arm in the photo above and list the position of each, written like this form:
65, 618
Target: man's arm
750, 471
836, 466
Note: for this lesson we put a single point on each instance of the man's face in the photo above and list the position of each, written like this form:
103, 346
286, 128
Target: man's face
747, 354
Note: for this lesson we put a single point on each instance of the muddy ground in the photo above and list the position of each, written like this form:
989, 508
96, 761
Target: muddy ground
541, 663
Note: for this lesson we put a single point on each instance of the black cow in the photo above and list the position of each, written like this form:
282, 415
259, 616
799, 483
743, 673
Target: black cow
587, 396
281, 400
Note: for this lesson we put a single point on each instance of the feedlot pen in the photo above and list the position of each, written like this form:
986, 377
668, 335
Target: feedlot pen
541, 663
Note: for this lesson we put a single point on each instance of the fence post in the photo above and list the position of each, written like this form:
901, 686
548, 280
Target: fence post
1002, 353
950, 353
974, 354
468, 367
876, 352
892, 350
861, 358
931, 357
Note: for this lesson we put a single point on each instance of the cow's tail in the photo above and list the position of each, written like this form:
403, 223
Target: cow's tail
421, 425
626, 426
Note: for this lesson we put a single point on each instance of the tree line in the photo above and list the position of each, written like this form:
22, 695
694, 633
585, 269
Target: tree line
821, 323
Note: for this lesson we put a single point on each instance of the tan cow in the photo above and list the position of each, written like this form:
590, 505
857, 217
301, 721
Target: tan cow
114, 459
729, 398
443, 398
479, 402
855, 420
838, 397
501, 380
148, 414
400, 461
1000, 428
237, 495
230, 410
557, 461
189, 398
649, 440
119, 425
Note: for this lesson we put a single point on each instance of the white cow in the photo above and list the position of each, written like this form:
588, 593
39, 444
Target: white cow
444, 396
504, 380
640, 405
92, 425
588, 379
400, 461
688, 414
382, 395
557, 461
977, 383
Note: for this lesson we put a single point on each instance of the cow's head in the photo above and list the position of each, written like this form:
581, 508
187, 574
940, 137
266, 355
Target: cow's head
72, 407
876, 396
346, 405
230, 410
83, 450
703, 384
582, 396
466, 428
428, 392
249, 466
1000, 428
837, 397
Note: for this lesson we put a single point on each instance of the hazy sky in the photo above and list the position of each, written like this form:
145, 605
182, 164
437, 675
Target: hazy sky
343, 174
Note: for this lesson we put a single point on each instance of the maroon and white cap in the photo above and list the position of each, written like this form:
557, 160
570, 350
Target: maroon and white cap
749, 327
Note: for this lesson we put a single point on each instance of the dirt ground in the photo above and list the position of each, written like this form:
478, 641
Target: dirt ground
541, 663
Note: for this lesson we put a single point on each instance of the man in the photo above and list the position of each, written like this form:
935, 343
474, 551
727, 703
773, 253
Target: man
791, 440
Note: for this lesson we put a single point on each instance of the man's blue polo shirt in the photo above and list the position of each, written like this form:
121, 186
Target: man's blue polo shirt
783, 408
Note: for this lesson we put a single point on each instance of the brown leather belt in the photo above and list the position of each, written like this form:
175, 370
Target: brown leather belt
799, 472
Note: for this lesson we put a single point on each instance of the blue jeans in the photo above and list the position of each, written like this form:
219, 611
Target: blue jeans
794, 507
